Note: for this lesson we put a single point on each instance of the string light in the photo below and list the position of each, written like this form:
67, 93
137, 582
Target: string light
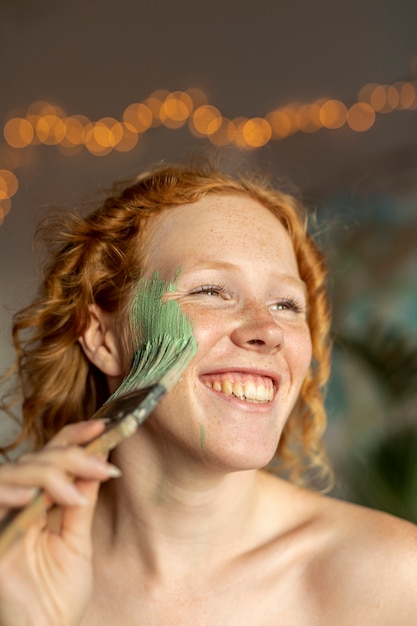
48, 124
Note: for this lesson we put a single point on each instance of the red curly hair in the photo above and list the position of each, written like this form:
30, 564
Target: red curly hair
98, 259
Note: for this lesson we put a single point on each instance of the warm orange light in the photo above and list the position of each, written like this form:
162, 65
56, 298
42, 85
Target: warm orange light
92, 144
108, 132
138, 117
5, 206
365, 92
8, 184
308, 118
239, 124
408, 96
177, 107
33, 120
333, 114
361, 117
74, 130
128, 141
225, 134
154, 103
256, 132
197, 96
378, 99
41, 108
50, 129
18, 132
393, 97
281, 124
48, 124
205, 120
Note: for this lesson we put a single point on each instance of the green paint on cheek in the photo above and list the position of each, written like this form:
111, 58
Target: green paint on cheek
161, 329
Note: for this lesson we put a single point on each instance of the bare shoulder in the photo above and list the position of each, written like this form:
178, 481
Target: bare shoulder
351, 565
369, 531
368, 559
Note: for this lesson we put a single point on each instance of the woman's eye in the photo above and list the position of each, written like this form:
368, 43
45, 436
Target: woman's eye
289, 304
211, 290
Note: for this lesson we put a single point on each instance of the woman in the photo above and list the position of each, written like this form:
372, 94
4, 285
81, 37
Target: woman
194, 531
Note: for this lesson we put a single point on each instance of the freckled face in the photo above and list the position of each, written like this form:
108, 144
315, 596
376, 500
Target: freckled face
240, 286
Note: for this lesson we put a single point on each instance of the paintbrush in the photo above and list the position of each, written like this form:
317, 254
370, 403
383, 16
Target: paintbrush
158, 364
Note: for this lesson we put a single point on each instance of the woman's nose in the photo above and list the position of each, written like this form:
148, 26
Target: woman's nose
258, 331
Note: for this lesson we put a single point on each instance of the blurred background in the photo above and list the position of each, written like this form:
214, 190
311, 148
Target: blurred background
321, 95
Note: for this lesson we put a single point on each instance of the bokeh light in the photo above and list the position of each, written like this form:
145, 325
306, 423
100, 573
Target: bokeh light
74, 130
361, 117
307, 117
256, 132
18, 132
50, 129
48, 124
281, 123
154, 103
8, 184
176, 109
138, 117
408, 95
333, 114
128, 141
197, 96
239, 124
205, 120
225, 134
379, 99
5, 206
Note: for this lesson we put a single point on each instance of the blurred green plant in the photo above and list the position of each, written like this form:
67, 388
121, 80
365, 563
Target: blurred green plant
382, 471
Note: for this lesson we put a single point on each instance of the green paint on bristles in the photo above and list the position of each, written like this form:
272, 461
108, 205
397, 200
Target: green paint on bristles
164, 335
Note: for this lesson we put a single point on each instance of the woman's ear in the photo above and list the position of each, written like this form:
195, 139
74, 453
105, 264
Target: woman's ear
99, 343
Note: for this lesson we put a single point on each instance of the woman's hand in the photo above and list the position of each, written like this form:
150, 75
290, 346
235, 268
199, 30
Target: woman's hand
46, 576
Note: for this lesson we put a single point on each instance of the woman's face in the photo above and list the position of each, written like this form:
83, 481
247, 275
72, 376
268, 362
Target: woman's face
240, 286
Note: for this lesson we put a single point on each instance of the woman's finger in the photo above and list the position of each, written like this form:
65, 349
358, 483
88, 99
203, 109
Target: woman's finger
54, 471
12, 496
76, 522
76, 434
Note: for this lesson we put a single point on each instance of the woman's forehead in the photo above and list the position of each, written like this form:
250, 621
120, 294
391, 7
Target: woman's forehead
219, 213
218, 228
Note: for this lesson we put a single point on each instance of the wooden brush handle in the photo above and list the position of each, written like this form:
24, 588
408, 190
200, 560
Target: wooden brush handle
17, 522
125, 412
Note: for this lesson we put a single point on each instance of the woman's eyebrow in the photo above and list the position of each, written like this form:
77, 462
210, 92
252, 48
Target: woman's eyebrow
213, 264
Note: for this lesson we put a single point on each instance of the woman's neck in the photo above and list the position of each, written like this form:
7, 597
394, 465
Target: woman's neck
179, 515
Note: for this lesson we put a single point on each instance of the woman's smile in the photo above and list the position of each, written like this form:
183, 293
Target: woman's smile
249, 387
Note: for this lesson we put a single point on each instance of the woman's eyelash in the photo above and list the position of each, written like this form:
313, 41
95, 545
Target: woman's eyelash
290, 304
211, 290
219, 289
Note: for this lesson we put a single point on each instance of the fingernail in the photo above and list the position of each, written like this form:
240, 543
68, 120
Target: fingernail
75, 497
113, 471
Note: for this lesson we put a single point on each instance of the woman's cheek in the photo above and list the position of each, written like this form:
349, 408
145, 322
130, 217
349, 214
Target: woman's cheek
303, 348
209, 325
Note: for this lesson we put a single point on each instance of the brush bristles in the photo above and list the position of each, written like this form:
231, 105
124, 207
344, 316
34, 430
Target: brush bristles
164, 362
170, 343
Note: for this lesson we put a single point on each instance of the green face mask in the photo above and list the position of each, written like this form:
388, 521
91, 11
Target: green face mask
162, 331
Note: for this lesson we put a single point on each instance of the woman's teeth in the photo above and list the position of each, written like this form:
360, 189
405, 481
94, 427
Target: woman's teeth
249, 391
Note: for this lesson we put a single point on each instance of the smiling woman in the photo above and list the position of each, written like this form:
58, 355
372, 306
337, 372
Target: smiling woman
195, 531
